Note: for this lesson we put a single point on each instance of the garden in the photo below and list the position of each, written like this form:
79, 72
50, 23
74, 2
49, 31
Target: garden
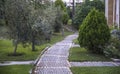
27, 27
98, 43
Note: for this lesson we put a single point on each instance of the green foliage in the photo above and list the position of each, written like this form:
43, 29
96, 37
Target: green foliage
65, 18
94, 32
15, 69
41, 23
64, 14
59, 3
58, 21
29, 22
83, 10
80, 15
78, 54
95, 70
113, 48
25, 54
2, 2
69, 11
6, 47
2, 22
69, 22
76, 41
17, 20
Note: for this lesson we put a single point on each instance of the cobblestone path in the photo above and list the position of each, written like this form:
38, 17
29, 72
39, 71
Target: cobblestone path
55, 59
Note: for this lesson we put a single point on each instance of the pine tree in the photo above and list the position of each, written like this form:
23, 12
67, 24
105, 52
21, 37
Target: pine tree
94, 32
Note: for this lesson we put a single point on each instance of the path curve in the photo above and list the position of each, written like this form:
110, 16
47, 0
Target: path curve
55, 59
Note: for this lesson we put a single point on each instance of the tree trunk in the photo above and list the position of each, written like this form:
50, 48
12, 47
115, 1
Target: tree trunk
33, 42
15, 49
63, 32
33, 45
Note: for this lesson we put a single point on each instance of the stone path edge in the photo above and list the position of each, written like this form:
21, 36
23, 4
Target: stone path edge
95, 64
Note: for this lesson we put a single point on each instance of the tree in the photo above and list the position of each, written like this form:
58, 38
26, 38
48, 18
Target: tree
94, 32
2, 22
83, 10
65, 18
69, 11
29, 21
61, 5
58, 21
41, 23
1, 8
17, 17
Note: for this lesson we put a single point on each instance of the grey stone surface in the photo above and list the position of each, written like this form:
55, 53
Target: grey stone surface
75, 45
15, 63
87, 64
55, 59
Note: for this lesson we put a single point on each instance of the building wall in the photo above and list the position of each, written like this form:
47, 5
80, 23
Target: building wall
117, 12
119, 15
110, 12
106, 9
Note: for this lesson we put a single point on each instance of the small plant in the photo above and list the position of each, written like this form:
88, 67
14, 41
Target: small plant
94, 32
113, 48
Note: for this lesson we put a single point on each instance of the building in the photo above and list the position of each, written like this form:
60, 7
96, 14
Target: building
112, 12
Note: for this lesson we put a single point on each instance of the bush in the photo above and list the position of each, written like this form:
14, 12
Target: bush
113, 48
94, 32
115, 33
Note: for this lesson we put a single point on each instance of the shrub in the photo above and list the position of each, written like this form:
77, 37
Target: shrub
113, 48
115, 33
94, 32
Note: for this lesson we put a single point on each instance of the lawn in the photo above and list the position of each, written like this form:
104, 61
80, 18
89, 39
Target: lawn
6, 48
95, 70
76, 41
81, 54
15, 69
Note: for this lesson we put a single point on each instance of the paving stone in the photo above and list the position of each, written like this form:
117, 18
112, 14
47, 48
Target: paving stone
86, 64
55, 59
53, 71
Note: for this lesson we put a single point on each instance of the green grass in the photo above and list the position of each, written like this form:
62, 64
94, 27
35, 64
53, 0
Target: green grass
6, 48
95, 70
75, 41
81, 54
15, 69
